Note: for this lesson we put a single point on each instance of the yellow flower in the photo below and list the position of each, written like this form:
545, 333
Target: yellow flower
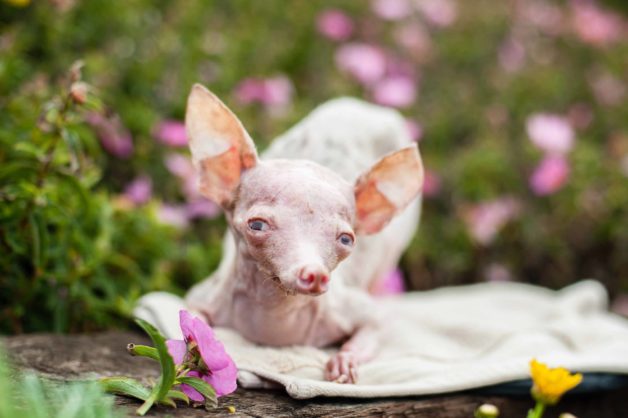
18, 3
551, 384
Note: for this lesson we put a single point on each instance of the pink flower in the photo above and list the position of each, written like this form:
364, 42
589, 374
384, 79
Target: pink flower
139, 191
218, 369
496, 272
547, 17
183, 168
202, 208
431, 184
366, 63
594, 25
414, 129
620, 304
550, 175
391, 9
391, 284
486, 219
398, 91
173, 215
270, 92
415, 39
172, 133
607, 89
334, 24
113, 136
512, 55
441, 13
551, 133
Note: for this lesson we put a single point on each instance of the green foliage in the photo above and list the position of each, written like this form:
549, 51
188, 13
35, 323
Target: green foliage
31, 397
74, 255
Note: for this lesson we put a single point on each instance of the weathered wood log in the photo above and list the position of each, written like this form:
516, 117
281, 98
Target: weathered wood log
79, 357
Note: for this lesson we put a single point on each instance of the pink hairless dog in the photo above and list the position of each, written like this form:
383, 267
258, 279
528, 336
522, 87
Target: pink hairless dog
345, 171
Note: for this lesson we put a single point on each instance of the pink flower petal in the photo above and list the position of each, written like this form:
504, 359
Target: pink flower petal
550, 175
391, 9
486, 219
172, 133
113, 136
366, 63
224, 381
594, 25
270, 92
395, 92
177, 349
140, 190
440, 13
431, 183
391, 284
334, 24
551, 133
191, 392
212, 350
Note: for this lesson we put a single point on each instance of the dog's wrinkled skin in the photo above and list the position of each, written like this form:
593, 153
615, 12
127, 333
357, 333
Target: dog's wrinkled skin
294, 217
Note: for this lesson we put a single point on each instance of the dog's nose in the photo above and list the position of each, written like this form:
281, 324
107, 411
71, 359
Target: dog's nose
313, 279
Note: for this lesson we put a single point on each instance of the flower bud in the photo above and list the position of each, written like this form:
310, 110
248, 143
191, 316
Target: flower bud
78, 92
486, 410
567, 415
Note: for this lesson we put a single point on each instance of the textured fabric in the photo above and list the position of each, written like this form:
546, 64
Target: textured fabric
443, 340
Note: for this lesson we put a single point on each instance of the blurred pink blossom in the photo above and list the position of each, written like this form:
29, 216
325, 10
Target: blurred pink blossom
596, 26
486, 219
543, 15
607, 89
364, 62
551, 133
414, 129
171, 132
334, 24
550, 175
173, 215
271, 92
441, 13
391, 284
397, 91
139, 191
580, 115
202, 208
415, 39
182, 167
512, 55
496, 272
179, 165
391, 9
431, 183
620, 304
113, 136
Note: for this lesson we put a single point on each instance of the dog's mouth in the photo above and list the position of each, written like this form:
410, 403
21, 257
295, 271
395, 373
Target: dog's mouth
280, 285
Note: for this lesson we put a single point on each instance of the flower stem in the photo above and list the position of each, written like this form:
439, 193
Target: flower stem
538, 410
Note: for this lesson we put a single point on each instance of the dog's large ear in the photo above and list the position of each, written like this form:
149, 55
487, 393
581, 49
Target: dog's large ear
221, 147
387, 188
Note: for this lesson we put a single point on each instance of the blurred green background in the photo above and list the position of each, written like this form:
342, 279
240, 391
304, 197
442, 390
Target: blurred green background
519, 108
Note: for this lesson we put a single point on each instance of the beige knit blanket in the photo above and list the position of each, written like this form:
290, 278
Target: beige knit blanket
442, 341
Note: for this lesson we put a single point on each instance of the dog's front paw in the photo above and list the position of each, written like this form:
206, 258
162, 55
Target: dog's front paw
342, 367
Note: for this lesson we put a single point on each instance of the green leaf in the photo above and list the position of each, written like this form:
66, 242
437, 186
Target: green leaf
124, 386
166, 379
143, 351
178, 395
202, 387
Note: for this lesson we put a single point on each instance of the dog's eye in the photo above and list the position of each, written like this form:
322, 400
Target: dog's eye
346, 239
258, 225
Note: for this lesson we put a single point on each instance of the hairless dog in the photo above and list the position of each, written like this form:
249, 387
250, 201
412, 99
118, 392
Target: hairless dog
310, 225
